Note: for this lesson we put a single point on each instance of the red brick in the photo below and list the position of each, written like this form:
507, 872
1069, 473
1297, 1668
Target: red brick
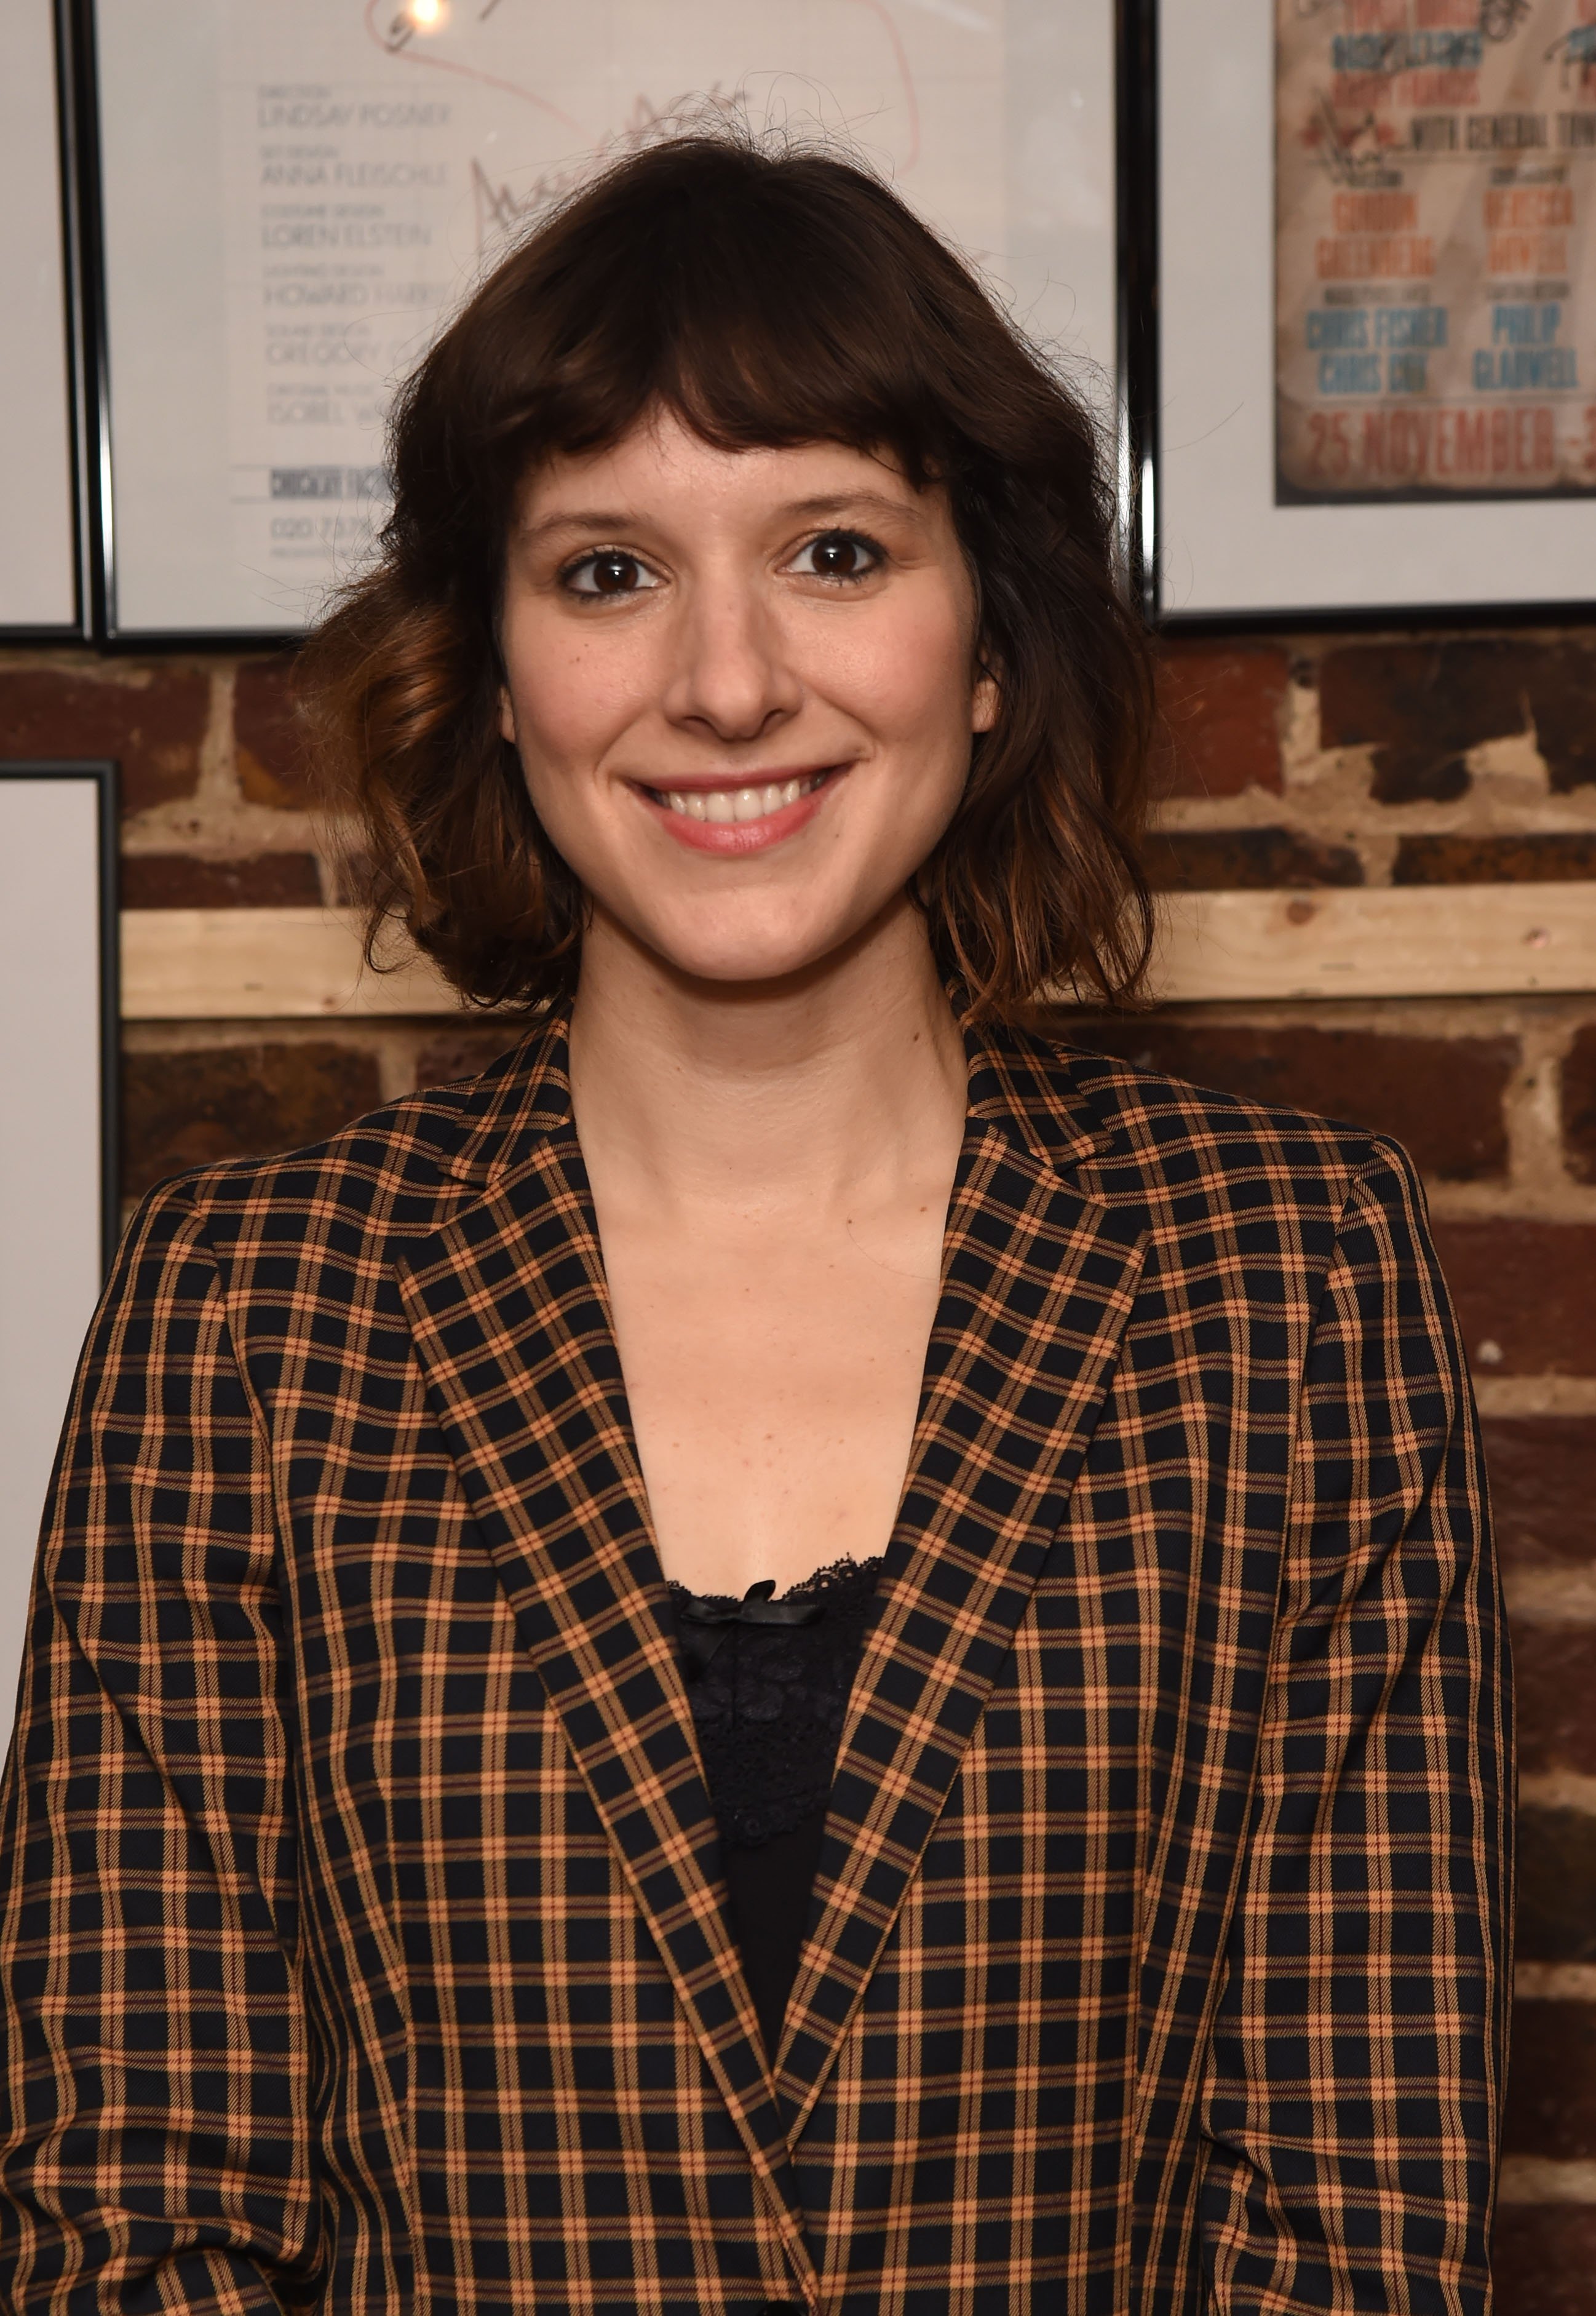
462, 1052
178, 880
150, 721
1245, 859
1579, 1105
1556, 1885
1421, 706
273, 759
1222, 708
1551, 2084
189, 1109
1545, 2260
1405, 702
1543, 1488
1527, 1287
1555, 1680
1440, 1097
1566, 858
1561, 681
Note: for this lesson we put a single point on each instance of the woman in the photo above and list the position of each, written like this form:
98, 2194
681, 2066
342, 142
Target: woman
519, 1802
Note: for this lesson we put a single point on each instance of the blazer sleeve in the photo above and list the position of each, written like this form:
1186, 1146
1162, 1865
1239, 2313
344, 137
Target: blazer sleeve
1356, 2062
154, 2100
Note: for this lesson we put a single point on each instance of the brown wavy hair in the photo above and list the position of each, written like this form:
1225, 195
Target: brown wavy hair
767, 299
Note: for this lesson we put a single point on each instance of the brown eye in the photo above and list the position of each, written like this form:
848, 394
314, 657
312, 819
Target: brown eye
611, 572
839, 555
614, 574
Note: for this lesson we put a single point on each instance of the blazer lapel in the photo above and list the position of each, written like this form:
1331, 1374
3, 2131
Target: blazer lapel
1038, 1283
508, 1310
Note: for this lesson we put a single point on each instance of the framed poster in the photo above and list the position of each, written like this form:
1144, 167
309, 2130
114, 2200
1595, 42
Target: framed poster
57, 1130
1376, 381
296, 193
40, 594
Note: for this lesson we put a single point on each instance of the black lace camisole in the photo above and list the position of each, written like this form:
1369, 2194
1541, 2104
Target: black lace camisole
769, 1682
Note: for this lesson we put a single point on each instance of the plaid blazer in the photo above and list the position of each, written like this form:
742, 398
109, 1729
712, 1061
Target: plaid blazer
362, 1942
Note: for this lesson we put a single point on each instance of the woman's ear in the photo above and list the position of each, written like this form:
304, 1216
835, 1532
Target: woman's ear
986, 699
506, 716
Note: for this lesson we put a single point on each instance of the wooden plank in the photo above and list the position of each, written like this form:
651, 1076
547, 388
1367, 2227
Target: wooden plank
1434, 941
239, 965
1415, 940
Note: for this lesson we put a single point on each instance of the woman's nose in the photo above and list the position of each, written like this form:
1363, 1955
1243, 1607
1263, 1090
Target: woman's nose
733, 673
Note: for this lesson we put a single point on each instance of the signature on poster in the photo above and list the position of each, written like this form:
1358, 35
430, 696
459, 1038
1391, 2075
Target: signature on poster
500, 208
406, 33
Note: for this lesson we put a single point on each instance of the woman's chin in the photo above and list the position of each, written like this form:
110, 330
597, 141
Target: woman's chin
753, 954
749, 966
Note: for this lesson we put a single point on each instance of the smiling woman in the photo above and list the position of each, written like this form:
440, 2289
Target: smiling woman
803, 1649
751, 306
784, 643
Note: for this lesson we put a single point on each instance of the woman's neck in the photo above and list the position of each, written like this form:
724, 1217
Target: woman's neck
845, 1086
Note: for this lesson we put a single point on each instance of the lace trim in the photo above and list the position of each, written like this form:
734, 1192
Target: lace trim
769, 1692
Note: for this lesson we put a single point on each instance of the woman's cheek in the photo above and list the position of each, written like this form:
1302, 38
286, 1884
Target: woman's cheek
565, 701
908, 675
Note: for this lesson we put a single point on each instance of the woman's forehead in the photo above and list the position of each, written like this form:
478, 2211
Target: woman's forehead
664, 461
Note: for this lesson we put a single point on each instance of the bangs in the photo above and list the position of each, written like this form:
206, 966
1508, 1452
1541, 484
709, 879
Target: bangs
751, 307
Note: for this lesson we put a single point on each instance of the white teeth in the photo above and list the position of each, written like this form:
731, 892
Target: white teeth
725, 805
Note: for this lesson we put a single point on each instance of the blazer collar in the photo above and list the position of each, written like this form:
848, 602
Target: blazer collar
508, 1307
1024, 1086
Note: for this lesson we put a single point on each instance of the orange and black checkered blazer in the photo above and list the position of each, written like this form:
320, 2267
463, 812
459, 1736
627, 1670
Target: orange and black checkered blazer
363, 1944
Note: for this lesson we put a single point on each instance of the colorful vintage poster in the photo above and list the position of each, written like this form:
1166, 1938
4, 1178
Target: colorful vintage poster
1435, 282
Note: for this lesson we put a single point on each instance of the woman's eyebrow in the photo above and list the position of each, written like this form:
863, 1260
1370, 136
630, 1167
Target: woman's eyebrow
582, 519
848, 502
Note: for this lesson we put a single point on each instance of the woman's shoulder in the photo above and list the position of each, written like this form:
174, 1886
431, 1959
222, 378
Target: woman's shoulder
1156, 1135
400, 1168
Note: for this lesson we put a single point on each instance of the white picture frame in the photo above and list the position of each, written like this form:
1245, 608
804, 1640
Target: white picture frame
59, 1212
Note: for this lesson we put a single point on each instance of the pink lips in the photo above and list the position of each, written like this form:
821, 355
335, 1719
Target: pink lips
737, 838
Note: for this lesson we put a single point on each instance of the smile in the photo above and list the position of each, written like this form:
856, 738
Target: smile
726, 805
742, 819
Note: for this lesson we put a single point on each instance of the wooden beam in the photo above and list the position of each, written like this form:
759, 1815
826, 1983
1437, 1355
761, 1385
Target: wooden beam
1413, 940
1424, 940
241, 965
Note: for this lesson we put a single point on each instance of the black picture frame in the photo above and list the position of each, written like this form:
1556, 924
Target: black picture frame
104, 625
84, 431
81, 141
1137, 189
62, 1079
1143, 378
103, 776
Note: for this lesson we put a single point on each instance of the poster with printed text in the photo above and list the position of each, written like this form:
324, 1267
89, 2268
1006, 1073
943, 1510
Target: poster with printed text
338, 174
1435, 262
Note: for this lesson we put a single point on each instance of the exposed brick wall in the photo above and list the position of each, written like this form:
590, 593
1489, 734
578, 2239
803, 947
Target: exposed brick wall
1448, 759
